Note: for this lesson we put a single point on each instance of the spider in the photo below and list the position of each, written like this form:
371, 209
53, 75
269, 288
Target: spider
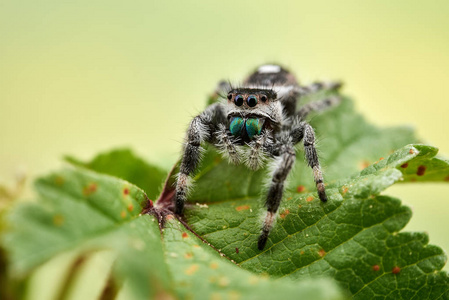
255, 123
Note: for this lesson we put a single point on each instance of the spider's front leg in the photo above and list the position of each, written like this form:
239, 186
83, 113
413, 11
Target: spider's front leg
286, 157
303, 131
201, 129
284, 163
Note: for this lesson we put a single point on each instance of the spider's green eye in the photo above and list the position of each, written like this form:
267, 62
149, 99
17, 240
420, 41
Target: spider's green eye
254, 127
251, 101
238, 100
236, 125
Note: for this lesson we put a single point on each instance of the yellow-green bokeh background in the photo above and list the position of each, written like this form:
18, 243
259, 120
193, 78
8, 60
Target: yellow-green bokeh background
79, 77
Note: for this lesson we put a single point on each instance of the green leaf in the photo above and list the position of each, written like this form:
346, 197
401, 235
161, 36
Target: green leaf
347, 238
354, 238
86, 212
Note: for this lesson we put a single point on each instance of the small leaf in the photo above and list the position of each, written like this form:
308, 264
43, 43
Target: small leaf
124, 164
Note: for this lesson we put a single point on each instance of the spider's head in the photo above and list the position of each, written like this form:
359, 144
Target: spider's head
250, 98
250, 110
257, 102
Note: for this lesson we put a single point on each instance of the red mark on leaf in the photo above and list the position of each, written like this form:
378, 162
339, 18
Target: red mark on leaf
237, 250
364, 164
130, 208
310, 198
242, 207
344, 190
404, 165
421, 170
411, 151
284, 213
90, 189
123, 214
125, 191
58, 220
376, 268
322, 252
300, 188
185, 235
396, 270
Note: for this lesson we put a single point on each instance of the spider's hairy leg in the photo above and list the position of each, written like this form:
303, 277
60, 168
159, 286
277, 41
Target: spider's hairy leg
303, 131
318, 106
284, 164
200, 130
256, 155
319, 86
226, 145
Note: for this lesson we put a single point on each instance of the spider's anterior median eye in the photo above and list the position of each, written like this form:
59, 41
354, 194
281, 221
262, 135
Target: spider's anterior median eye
251, 101
238, 100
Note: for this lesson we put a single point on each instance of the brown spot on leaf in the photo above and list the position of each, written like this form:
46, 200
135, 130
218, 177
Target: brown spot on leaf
396, 270
446, 178
213, 266
344, 189
299, 206
130, 208
376, 268
302, 252
185, 235
126, 191
223, 281
123, 214
404, 165
192, 269
381, 158
90, 189
188, 255
237, 250
59, 180
322, 252
289, 198
411, 151
421, 170
58, 220
310, 198
242, 207
284, 213
300, 188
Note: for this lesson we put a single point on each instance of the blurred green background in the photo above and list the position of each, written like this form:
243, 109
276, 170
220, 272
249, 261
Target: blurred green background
79, 77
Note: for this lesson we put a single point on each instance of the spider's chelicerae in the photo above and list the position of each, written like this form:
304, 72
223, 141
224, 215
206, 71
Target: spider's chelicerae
256, 122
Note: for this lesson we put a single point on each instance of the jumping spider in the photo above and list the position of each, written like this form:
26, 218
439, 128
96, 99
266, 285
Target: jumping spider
258, 121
